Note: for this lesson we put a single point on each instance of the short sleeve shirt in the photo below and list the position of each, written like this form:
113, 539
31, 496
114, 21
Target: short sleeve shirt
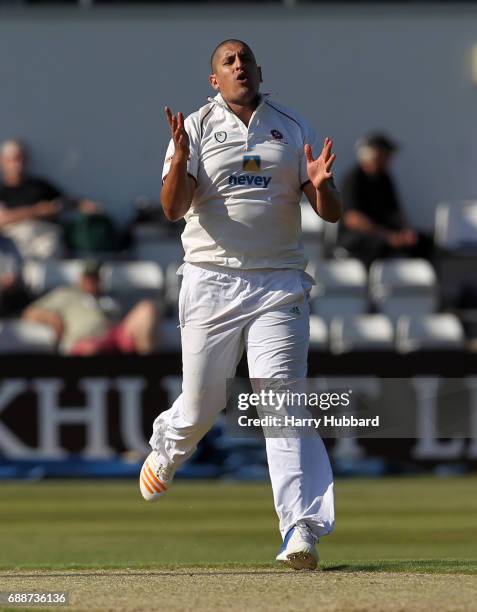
82, 314
30, 191
245, 212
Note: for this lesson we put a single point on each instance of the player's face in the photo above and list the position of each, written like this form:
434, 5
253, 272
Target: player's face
236, 75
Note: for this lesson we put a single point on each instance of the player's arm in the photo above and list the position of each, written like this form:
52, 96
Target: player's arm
321, 190
178, 186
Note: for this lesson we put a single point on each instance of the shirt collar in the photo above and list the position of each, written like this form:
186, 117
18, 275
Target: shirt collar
221, 102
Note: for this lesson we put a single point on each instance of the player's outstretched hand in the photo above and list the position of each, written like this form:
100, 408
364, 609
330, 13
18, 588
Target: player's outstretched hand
319, 169
179, 135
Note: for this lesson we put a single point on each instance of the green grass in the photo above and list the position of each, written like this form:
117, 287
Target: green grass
394, 524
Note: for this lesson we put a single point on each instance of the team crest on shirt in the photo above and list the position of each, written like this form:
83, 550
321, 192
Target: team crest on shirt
276, 134
220, 136
251, 163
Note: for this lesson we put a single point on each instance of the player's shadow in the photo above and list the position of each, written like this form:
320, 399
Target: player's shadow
400, 565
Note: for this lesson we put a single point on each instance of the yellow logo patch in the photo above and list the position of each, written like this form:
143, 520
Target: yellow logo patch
251, 163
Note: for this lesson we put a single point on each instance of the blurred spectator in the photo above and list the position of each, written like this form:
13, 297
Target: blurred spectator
28, 206
374, 225
13, 294
90, 231
83, 319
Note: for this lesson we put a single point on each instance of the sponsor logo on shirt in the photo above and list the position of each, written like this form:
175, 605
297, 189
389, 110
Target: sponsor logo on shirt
249, 179
251, 163
220, 136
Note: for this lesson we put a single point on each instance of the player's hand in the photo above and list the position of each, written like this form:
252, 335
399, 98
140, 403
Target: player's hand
179, 135
319, 169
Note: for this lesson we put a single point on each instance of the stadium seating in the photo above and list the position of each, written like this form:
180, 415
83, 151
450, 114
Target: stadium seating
312, 227
404, 291
172, 286
119, 277
429, 332
149, 232
403, 286
373, 332
154, 246
318, 334
456, 226
340, 290
456, 239
131, 281
18, 336
44, 276
311, 223
170, 334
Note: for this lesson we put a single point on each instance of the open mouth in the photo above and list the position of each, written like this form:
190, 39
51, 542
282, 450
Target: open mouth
242, 78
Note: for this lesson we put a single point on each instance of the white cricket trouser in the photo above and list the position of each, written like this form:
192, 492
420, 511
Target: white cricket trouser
221, 313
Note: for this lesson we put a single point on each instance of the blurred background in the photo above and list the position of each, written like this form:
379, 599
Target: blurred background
89, 343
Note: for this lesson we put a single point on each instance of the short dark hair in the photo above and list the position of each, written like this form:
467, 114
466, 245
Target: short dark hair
226, 42
91, 268
379, 140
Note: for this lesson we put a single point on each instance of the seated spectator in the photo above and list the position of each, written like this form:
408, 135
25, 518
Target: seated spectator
83, 319
90, 231
374, 225
28, 206
14, 296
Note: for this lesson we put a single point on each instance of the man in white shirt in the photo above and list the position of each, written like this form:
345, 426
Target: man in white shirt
235, 170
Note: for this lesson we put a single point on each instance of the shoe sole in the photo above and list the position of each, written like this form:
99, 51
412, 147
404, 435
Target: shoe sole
301, 561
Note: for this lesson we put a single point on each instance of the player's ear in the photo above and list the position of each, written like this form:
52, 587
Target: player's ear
259, 68
213, 81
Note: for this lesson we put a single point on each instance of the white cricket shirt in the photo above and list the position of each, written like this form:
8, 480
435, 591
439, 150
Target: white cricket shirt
245, 212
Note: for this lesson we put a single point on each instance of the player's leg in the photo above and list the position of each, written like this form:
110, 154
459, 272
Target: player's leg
203, 390
212, 344
300, 471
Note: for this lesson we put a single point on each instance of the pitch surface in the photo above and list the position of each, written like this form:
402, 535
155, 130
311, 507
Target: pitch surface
400, 544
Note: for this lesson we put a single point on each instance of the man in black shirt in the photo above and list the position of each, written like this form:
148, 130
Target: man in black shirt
374, 225
28, 206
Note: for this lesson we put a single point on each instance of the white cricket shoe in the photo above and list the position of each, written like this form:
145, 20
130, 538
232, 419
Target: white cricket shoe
298, 549
156, 476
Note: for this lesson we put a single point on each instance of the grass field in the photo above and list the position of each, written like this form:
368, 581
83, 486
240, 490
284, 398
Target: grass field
400, 544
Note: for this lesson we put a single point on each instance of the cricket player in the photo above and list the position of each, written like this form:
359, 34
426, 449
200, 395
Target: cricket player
235, 170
